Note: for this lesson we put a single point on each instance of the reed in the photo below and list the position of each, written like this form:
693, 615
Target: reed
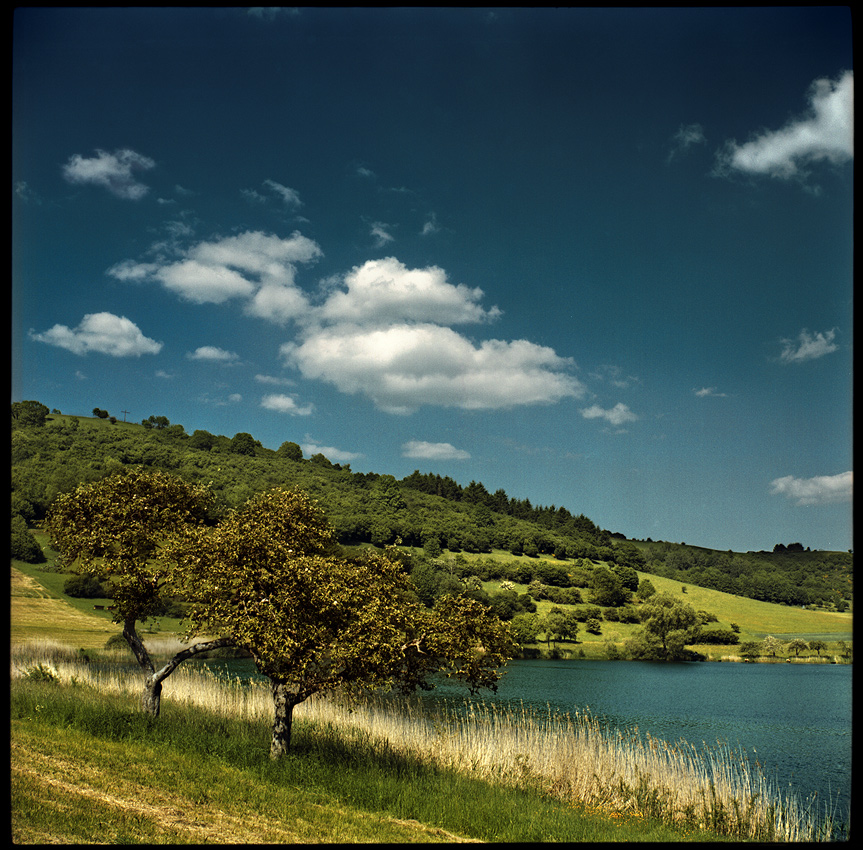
574, 758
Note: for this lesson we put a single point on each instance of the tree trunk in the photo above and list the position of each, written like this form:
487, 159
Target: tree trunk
283, 702
151, 699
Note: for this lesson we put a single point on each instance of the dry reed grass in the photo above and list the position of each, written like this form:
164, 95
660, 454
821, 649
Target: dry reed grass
574, 758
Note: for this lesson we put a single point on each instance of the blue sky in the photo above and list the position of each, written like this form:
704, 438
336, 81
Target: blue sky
601, 259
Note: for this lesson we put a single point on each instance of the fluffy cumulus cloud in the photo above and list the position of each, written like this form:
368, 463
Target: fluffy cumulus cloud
386, 291
101, 332
422, 450
253, 267
112, 171
820, 490
382, 330
286, 404
618, 415
825, 132
808, 347
331, 453
404, 366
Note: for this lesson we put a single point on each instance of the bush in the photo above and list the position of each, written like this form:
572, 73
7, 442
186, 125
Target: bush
84, 587
719, 636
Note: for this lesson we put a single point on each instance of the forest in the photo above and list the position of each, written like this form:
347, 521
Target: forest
53, 453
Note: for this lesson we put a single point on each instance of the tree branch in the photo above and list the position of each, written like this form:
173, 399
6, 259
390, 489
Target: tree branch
184, 654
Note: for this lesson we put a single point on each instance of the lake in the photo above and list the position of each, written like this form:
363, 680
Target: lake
794, 719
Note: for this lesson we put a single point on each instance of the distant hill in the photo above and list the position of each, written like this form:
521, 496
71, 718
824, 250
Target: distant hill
52, 453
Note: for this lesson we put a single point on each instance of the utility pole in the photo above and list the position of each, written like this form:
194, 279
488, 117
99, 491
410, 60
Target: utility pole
124, 412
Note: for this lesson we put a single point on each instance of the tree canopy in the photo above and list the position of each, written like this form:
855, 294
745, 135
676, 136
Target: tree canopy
116, 530
271, 577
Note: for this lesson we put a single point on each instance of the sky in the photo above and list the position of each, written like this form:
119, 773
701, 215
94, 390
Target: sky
598, 258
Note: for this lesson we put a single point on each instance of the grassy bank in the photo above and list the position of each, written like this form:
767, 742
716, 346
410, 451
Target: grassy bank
499, 776
87, 767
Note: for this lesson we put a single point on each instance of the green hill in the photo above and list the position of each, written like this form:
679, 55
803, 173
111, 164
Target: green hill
430, 515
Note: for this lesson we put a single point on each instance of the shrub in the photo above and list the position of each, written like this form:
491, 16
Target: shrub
718, 636
84, 587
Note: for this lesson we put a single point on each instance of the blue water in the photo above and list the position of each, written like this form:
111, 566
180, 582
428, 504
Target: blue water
793, 719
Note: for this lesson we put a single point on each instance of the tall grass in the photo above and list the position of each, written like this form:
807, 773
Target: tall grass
574, 758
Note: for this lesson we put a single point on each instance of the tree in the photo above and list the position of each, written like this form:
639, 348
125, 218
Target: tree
24, 546
669, 625
796, 645
772, 645
116, 530
608, 589
289, 450
750, 650
243, 443
29, 413
818, 646
271, 576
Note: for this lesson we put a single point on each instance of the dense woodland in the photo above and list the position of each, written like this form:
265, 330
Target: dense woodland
52, 453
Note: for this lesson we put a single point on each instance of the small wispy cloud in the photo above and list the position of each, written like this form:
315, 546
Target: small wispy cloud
617, 415
286, 404
112, 171
712, 392
808, 346
420, 449
687, 136
212, 354
825, 132
273, 380
820, 490
381, 235
104, 333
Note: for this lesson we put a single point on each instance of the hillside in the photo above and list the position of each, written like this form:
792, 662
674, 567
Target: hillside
53, 453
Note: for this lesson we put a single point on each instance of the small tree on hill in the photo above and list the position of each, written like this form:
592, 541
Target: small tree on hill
271, 576
669, 625
116, 530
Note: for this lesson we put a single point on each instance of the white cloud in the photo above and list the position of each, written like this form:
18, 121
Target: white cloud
617, 415
289, 196
820, 490
331, 453
286, 404
404, 366
273, 380
212, 354
112, 171
808, 347
431, 226
386, 291
826, 132
433, 451
101, 332
705, 392
256, 267
381, 234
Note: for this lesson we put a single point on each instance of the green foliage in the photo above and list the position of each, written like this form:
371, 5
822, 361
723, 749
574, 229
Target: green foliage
668, 626
24, 545
29, 413
290, 451
84, 587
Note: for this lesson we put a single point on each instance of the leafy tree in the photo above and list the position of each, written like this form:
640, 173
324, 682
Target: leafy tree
116, 530
101, 414
608, 589
201, 440
645, 589
525, 628
772, 645
669, 625
289, 450
29, 413
270, 576
818, 646
796, 645
593, 626
243, 444
84, 587
24, 545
